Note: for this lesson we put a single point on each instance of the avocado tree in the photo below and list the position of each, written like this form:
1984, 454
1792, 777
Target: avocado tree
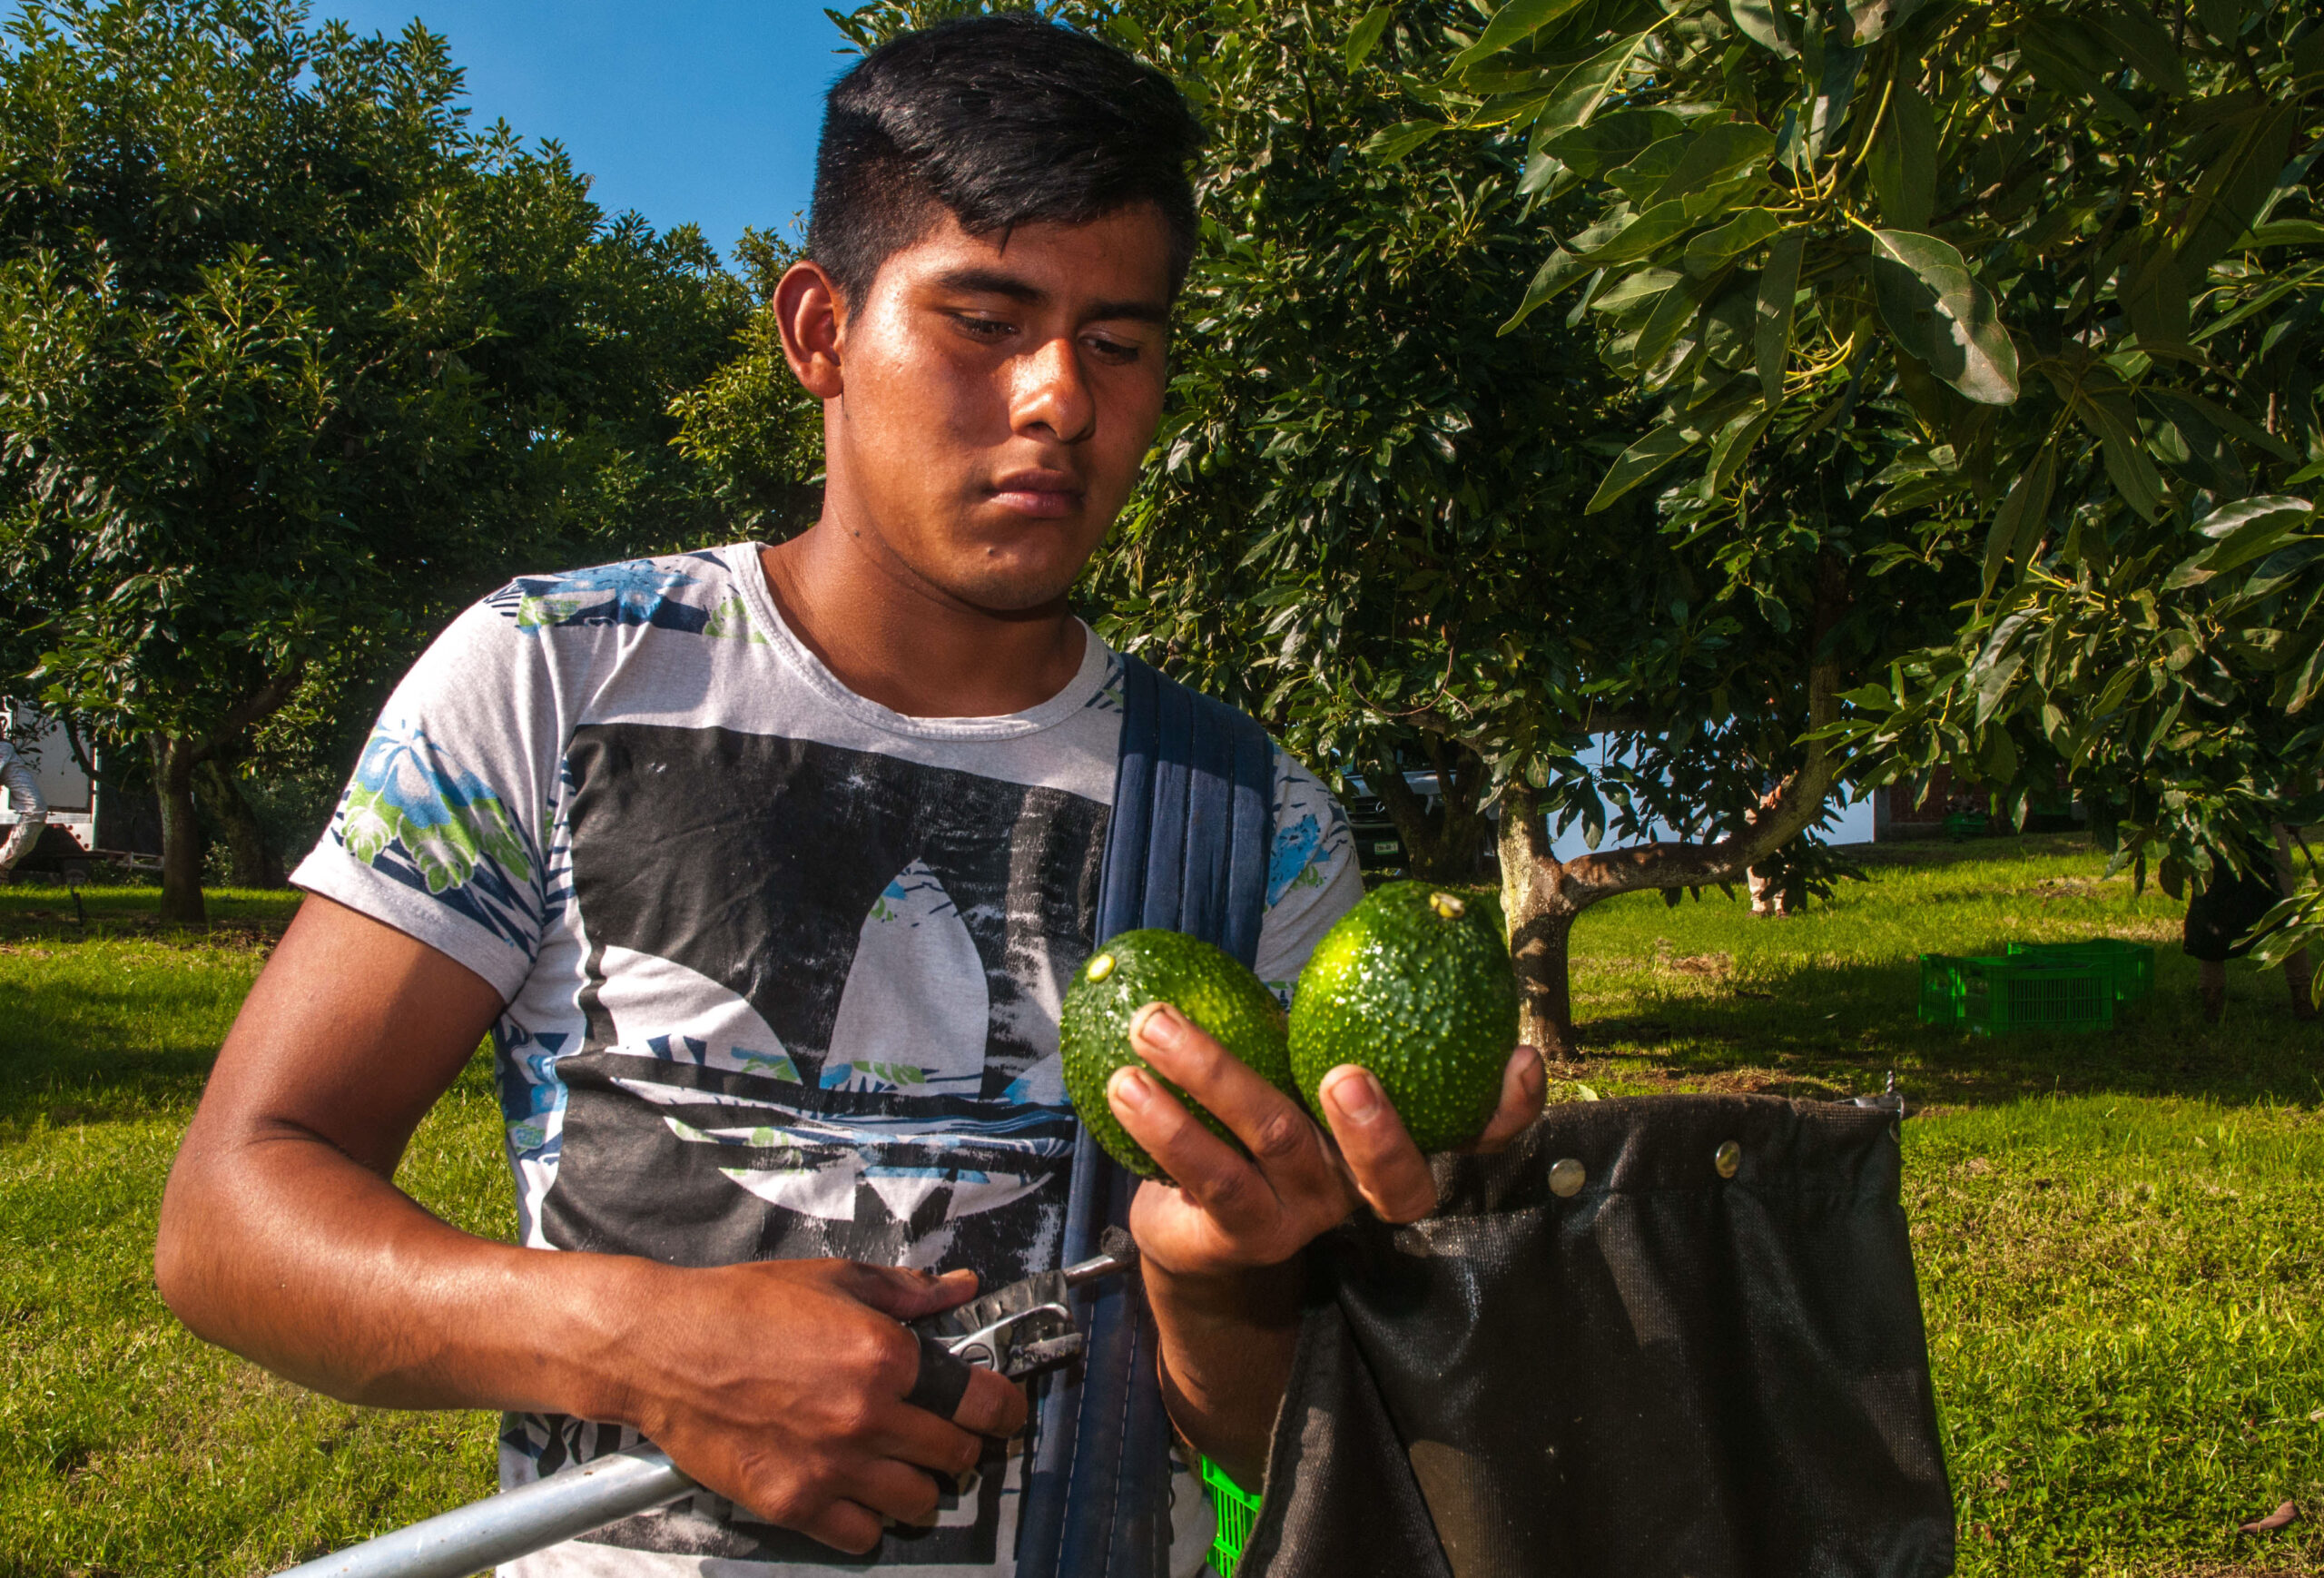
292, 363
2057, 263
1367, 515
1399, 495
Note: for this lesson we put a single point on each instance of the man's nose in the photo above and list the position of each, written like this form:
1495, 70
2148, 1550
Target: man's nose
1052, 398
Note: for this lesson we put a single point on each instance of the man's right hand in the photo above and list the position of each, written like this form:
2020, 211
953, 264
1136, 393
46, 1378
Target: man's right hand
283, 1238
810, 1431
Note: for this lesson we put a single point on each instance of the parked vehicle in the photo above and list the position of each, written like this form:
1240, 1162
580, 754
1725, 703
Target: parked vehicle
70, 846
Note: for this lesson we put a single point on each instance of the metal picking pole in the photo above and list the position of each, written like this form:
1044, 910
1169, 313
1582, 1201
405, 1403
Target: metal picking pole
1017, 1330
517, 1523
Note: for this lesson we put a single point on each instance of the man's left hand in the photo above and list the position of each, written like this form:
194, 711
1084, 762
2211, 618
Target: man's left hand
1232, 1212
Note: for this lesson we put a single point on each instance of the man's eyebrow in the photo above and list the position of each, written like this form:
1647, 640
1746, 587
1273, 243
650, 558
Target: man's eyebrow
994, 282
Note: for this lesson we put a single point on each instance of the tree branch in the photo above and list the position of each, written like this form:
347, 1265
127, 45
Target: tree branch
247, 714
1787, 811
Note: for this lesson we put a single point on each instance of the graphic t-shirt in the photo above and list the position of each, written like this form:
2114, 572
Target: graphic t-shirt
782, 967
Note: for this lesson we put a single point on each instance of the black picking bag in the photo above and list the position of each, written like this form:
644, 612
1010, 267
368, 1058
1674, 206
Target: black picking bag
1665, 1373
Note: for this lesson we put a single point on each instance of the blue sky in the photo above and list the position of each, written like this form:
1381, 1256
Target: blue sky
704, 111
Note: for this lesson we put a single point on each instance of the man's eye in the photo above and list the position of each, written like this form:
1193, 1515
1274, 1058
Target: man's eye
983, 327
1116, 350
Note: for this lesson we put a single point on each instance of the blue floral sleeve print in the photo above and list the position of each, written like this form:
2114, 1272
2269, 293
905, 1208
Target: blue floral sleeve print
1311, 876
694, 593
446, 830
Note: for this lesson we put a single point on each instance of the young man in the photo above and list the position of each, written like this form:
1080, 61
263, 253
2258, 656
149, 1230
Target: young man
766, 867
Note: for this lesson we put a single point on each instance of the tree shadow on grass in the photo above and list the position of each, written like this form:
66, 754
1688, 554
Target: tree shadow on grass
86, 1053
112, 1016
1813, 1030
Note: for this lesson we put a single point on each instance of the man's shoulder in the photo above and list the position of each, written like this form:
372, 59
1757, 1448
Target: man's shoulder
697, 594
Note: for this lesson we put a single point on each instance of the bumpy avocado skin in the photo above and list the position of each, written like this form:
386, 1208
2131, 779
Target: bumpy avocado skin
1210, 988
1425, 1000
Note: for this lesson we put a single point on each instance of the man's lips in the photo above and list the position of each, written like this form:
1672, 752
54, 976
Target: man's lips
1045, 494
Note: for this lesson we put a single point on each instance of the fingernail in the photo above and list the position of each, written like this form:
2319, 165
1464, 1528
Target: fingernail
1129, 1088
1159, 1025
1354, 1092
1532, 1075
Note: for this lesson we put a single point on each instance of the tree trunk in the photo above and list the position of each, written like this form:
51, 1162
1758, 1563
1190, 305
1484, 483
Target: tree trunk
1445, 847
174, 758
255, 863
1538, 907
2300, 971
1541, 896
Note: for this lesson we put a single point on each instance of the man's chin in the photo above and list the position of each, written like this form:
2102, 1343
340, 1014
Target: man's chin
1011, 592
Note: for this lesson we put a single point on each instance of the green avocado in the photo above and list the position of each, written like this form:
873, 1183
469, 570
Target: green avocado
1213, 990
1414, 984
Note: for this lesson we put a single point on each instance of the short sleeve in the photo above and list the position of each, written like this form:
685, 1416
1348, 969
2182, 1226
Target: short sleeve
1311, 875
441, 834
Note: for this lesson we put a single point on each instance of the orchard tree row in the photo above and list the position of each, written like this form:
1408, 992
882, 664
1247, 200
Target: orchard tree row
1647, 414
294, 364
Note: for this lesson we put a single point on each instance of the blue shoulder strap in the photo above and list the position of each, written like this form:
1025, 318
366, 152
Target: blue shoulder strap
1187, 849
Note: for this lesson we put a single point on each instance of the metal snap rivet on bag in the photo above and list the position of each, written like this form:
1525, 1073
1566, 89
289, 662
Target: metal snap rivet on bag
1728, 1159
1566, 1179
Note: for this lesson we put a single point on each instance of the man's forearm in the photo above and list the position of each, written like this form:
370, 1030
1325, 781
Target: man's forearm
1226, 1350
288, 1252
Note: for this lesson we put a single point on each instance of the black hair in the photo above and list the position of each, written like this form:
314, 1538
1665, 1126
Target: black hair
1003, 120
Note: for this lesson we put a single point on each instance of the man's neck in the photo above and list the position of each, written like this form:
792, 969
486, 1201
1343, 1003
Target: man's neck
904, 644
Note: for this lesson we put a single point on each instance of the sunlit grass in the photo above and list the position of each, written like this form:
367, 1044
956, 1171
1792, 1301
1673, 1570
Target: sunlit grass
2119, 1235
127, 1446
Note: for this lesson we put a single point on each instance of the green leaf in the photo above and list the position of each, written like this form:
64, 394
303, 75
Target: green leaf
1642, 235
1664, 325
1542, 172
1709, 250
1587, 86
1560, 270
1391, 144
2222, 19
1365, 37
2240, 532
2127, 466
1513, 23
1838, 86
1715, 157
1779, 286
1733, 447
2017, 524
2298, 687
2156, 299
1902, 161
1639, 179
1873, 19
1938, 311
1998, 663
1765, 22
1634, 289
2146, 44
1614, 141
2280, 233
1642, 459
2231, 194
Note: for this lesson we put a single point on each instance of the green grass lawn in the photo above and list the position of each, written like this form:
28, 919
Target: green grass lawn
2117, 1235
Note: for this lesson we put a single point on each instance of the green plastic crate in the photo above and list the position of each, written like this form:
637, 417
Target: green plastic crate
1995, 996
2131, 965
1943, 992
1238, 1512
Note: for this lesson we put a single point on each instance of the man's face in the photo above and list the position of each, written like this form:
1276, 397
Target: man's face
996, 396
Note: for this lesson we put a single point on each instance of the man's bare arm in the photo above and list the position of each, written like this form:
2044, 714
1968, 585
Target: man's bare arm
284, 1238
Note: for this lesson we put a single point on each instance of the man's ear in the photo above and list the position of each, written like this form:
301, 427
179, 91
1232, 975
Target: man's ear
812, 316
